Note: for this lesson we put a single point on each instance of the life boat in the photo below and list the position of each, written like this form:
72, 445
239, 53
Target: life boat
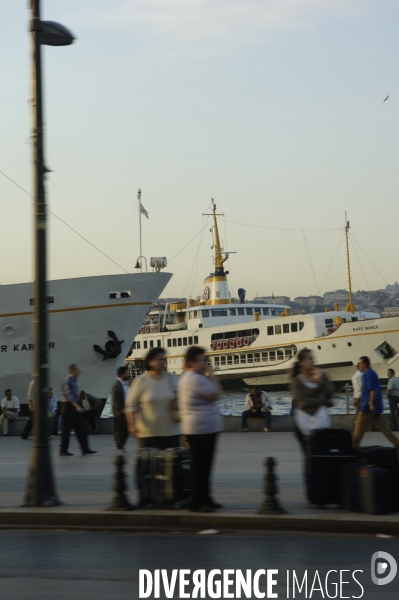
225, 344
247, 341
213, 346
232, 343
219, 345
238, 342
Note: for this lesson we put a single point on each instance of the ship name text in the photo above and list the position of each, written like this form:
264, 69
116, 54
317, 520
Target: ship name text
23, 347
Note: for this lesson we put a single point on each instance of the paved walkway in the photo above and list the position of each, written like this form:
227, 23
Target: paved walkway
84, 483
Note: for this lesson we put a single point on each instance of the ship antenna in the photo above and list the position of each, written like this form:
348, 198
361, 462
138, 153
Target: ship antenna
350, 306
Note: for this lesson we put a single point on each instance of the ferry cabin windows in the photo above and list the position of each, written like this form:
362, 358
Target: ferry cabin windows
151, 343
249, 311
145, 345
179, 342
265, 311
232, 312
219, 312
176, 342
270, 330
277, 329
286, 327
240, 311
169, 343
294, 327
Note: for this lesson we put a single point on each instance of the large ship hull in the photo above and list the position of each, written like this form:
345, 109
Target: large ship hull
81, 312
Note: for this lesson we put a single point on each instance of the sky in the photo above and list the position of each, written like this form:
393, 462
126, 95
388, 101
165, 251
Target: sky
274, 108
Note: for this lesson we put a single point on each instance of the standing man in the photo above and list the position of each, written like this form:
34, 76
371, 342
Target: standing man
72, 416
9, 410
118, 395
257, 404
370, 406
357, 387
393, 397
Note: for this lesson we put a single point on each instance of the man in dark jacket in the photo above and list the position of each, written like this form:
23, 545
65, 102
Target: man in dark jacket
118, 395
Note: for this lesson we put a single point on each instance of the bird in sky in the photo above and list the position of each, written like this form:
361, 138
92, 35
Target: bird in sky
385, 99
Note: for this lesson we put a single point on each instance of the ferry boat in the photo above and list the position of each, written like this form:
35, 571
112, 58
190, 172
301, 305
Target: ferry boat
92, 322
257, 343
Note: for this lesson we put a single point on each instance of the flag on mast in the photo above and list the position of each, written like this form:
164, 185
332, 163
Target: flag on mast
143, 210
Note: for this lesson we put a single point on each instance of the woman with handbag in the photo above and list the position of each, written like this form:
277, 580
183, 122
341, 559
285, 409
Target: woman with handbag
151, 405
312, 396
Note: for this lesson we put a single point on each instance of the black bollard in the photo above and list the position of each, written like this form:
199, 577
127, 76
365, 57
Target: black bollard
119, 501
271, 505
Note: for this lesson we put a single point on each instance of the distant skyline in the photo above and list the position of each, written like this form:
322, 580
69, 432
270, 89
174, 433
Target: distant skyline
275, 109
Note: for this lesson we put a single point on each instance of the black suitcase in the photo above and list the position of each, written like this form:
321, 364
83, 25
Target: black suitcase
385, 458
145, 475
172, 477
366, 489
327, 453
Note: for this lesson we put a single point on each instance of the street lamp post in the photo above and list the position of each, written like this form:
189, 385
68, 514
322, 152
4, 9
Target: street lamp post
41, 490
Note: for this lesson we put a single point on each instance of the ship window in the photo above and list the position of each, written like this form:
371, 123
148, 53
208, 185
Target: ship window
159, 343
236, 359
138, 344
174, 342
243, 359
205, 313
270, 330
134, 346
196, 339
280, 354
179, 342
288, 353
217, 294
257, 357
145, 344
219, 312
232, 312
169, 343
249, 311
151, 343
222, 360
49, 300
265, 311
229, 360
265, 356
112, 295
272, 355
328, 322
286, 327
240, 311
301, 325
125, 294
275, 312
190, 341
216, 361
277, 329
184, 341
294, 327
250, 358
195, 314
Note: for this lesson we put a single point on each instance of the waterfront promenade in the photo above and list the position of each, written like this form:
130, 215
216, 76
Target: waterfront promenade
84, 485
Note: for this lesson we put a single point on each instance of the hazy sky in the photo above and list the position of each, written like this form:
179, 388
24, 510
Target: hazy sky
272, 107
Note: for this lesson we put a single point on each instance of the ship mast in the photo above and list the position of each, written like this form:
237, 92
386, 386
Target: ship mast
350, 307
219, 259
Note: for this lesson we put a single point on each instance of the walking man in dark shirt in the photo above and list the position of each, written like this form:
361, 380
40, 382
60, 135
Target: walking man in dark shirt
72, 414
257, 404
118, 394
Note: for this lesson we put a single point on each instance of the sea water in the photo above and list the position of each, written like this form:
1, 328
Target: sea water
232, 403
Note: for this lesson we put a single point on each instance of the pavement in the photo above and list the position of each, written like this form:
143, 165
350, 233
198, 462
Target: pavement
84, 486
103, 565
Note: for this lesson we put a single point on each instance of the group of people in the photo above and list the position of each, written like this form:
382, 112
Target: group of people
313, 393
158, 410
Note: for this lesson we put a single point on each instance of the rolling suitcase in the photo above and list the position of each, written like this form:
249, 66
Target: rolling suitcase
366, 489
327, 453
172, 477
385, 458
145, 465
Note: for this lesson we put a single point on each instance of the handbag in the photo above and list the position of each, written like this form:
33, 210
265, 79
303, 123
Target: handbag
307, 423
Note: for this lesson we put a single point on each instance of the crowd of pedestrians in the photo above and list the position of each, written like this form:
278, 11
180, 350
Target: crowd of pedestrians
162, 412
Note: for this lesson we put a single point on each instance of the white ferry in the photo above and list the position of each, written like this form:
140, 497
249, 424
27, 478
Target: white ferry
257, 343
92, 322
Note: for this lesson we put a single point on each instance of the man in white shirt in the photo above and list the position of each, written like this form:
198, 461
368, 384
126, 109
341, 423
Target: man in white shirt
357, 387
9, 410
393, 397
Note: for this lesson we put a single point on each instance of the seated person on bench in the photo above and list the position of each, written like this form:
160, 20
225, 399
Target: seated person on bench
257, 404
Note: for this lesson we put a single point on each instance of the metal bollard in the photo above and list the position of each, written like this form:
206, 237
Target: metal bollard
271, 505
119, 501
